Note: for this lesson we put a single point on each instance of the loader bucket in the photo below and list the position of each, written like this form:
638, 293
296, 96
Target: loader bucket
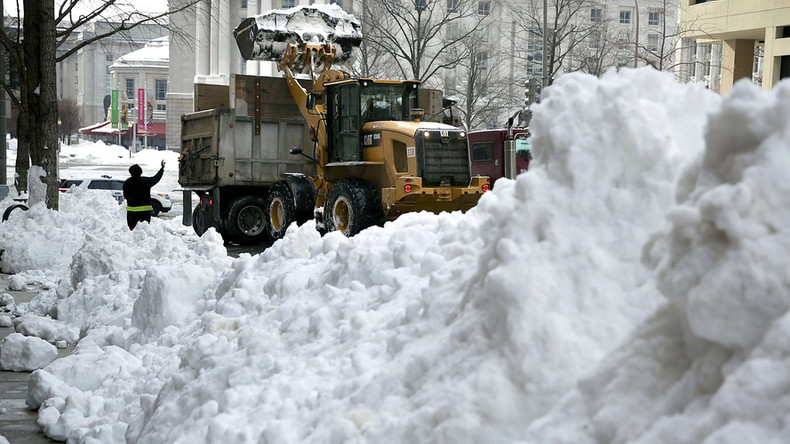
265, 37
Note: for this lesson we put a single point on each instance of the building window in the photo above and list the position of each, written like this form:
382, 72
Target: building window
108, 69
624, 39
652, 42
289, 3
625, 17
243, 4
482, 64
484, 8
161, 107
108, 57
654, 18
336, 2
130, 89
482, 34
595, 39
534, 40
596, 14
451, 31
452, 5
161, 89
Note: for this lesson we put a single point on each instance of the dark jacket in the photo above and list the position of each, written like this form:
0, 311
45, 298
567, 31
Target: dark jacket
137, 189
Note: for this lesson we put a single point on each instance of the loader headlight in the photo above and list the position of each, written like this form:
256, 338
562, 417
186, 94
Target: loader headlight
426, 134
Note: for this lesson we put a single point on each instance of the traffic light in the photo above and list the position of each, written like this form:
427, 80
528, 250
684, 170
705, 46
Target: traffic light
532, 92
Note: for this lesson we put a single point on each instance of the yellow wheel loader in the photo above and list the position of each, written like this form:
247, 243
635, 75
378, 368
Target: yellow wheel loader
369, 155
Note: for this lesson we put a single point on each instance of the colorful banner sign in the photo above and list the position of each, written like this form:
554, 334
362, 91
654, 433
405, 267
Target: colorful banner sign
141, 121
114, 108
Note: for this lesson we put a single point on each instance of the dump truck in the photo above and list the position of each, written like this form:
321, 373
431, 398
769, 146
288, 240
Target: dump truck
350, 152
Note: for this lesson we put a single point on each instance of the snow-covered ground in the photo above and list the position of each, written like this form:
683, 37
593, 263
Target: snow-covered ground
633, 286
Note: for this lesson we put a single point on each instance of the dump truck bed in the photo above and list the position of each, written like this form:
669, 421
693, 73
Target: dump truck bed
219, 149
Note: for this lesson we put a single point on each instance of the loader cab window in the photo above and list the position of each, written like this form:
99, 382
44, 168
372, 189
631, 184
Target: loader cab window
384, 101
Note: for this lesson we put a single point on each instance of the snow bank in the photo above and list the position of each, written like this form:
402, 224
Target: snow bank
710, 365
566, 307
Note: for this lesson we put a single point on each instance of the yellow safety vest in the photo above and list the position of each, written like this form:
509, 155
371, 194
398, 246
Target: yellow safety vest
139, 209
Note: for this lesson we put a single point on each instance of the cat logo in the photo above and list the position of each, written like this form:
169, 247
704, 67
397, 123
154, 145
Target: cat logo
445, 133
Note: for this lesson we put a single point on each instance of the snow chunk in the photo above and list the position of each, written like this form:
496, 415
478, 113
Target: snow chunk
19, 353
17, 283
46, 328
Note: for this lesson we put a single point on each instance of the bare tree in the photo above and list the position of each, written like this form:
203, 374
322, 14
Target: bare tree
479, 86
68, 119
412, 32
568, 27
33, 46
661, 47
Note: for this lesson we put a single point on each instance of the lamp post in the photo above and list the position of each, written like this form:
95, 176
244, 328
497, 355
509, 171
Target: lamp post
636, 35
544, 80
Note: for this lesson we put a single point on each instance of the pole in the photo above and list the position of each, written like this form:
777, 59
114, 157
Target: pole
545, 43
636, 37
147, 123
3, 147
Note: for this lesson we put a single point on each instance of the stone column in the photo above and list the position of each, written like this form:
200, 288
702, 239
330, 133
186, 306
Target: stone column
203, 39
214, 38
715, 67
736, 62
224, 47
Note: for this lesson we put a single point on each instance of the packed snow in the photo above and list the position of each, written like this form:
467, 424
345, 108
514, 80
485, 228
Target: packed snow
19, 352
631, 287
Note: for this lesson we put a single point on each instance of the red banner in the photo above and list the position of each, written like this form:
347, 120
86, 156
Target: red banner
141, 123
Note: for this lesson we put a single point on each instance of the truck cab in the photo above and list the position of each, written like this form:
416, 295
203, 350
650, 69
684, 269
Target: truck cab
487, 152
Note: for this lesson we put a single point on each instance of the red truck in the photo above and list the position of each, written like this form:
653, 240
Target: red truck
487, 151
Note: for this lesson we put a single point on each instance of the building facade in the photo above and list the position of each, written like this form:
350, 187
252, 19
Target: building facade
85, 75
736, 39
206, 52
147, 69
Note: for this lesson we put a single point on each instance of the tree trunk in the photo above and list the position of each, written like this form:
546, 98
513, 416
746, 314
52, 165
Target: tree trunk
39, 90
22, 151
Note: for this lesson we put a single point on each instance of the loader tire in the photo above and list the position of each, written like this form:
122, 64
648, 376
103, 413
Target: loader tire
280, 210
352, 206
246, 220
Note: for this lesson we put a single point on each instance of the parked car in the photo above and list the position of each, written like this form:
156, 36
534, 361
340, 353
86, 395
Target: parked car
160, 202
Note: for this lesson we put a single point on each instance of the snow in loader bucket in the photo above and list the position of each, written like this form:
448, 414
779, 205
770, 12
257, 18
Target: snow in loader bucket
265, 37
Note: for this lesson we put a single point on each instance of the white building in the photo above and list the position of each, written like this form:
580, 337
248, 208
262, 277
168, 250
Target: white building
147, 69
85, 75
209, 55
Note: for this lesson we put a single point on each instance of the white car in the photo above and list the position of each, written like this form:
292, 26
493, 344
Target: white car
160, 202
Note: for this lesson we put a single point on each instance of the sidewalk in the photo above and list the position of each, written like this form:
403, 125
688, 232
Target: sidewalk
18, 423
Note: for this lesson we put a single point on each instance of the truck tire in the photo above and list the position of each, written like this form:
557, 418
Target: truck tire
199, 220
156, 208
280, 210
246, 221
352, 206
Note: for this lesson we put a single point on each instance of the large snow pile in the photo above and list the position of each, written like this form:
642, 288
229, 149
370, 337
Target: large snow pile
631, 286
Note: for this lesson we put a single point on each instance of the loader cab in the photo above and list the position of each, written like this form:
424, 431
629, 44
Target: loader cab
353, 103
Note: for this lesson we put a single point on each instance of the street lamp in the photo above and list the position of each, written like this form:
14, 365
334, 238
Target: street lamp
636, 38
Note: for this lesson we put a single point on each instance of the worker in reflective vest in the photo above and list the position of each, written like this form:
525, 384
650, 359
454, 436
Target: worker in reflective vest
137, 192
